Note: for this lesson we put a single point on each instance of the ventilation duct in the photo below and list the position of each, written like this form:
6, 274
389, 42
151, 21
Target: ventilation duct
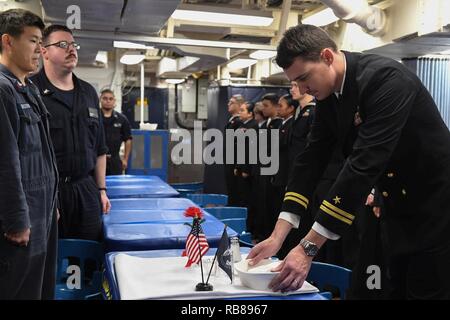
370, 18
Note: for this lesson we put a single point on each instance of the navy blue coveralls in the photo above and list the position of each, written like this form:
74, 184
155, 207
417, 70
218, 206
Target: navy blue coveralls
28, 189
78, 138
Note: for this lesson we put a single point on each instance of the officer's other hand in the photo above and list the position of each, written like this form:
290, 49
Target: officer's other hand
235, 172
124, 164
293, 271
264, 249
106, 205
377, 211
19, 238
245, 175
370, 200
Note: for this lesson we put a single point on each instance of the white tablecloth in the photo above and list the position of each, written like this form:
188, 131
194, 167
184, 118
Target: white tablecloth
167, 278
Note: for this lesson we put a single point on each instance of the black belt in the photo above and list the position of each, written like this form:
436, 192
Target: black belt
68, 179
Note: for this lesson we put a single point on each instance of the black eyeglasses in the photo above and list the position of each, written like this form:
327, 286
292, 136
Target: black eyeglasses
64, 45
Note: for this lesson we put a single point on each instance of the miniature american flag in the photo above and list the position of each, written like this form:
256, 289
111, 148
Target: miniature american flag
195, 239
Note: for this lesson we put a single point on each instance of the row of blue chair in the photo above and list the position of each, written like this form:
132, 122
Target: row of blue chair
208, 200
236, 219
187, 188
88, 256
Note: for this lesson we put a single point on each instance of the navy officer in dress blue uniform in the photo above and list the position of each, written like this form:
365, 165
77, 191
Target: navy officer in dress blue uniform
117, 130
78, 137
233, 123
28, 174
393, 137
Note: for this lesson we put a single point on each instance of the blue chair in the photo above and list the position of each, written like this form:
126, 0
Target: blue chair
324, 274
187, 188
85, 254
228, 212
208, 200
239, 225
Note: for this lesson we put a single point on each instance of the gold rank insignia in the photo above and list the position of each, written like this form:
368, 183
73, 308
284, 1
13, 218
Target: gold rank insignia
337, 200
297, 197
336, 212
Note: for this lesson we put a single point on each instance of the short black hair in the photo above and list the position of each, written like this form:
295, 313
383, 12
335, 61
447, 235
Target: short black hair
250, 106
14, 21
54, 28
106, 91
303, 41
272, 97
290, 100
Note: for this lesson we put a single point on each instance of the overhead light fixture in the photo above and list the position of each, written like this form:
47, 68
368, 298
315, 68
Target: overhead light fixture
241, 64
130, 45
321, 18
445, 52
102, 57
175, 81
262, 54
132, 57
223, 15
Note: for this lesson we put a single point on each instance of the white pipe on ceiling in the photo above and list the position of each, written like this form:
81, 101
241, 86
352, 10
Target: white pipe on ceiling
370, 18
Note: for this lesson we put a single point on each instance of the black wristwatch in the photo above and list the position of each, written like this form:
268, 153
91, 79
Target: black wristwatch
101, 189
309, 247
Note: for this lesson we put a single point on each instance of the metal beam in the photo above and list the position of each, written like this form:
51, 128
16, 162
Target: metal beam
284, 18
170, 41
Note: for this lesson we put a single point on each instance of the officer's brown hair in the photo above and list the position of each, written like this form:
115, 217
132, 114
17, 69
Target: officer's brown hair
303, 41
239, 98
54, 28
14, 21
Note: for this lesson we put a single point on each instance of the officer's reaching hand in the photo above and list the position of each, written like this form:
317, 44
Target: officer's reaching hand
264, 249
106, 205
293, 271
19, 238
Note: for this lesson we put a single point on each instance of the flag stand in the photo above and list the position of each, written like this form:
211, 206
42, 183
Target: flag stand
202, 286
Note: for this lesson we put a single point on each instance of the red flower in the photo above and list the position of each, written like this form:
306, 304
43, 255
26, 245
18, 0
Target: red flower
194, 212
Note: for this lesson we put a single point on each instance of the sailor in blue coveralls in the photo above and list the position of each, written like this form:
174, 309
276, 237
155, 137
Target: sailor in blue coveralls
77, 133
28, 174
